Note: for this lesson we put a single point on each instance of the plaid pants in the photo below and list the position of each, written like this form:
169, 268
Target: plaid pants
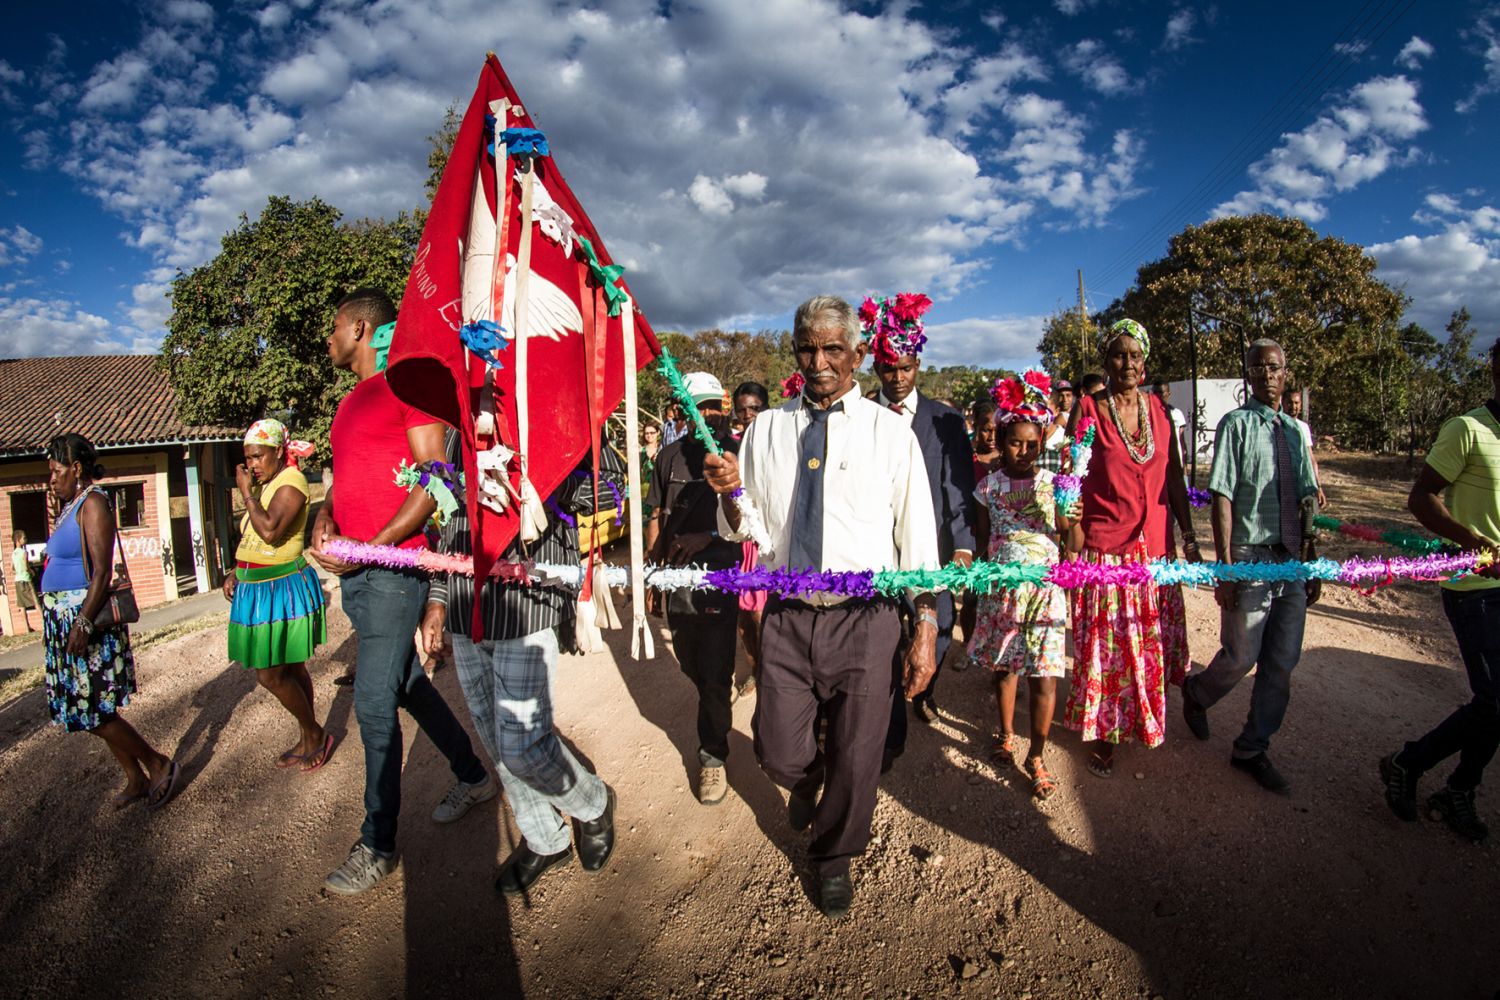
508, 685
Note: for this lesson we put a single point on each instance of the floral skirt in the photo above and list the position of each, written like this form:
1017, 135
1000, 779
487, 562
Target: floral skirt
84, 691
1173, 628
1119, 667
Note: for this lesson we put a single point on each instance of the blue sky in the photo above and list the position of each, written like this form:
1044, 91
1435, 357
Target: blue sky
740, 157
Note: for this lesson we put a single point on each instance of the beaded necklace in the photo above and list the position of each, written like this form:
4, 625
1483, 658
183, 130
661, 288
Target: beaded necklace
1144, 436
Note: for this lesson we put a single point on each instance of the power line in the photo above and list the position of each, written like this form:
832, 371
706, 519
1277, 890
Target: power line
1320, 77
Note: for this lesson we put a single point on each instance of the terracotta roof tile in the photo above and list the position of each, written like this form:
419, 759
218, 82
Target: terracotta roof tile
114, 400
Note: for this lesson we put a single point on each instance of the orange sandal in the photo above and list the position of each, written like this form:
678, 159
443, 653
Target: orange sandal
1042, 785
1003, 750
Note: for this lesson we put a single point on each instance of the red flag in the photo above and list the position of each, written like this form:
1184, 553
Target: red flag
575, 349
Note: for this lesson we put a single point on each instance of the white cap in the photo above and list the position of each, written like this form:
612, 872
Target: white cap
703, 387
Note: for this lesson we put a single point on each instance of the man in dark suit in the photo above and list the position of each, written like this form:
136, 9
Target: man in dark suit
949, 459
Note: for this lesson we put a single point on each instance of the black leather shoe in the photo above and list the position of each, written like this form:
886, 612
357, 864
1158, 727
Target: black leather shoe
926, 710
1264, 772
525, 866
835, 896
595, 840
1194, 714
799, 811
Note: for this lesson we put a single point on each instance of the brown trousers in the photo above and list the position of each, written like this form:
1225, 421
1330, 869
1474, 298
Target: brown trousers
833, 664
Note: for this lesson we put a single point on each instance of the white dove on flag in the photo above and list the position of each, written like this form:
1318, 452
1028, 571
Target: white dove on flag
552, 314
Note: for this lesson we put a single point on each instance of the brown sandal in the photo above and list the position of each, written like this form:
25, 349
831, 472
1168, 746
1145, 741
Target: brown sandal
1042, 784
1003, 750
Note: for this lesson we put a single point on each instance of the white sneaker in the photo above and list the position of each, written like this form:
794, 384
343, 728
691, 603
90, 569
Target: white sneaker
462, 797
712, 785
361, 870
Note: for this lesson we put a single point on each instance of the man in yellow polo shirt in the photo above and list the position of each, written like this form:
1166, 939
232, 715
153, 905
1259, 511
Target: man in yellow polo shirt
1464, 463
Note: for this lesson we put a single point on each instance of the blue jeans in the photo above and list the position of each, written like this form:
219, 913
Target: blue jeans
1473, 730
1264, 631
385, 606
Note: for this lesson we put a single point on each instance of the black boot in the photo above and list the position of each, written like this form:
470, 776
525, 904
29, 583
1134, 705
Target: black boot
525, 866
595, 840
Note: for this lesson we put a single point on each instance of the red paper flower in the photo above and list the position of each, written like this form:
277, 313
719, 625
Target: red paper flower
1008, 394
791, 386
868, 310
1039, 380
910, 306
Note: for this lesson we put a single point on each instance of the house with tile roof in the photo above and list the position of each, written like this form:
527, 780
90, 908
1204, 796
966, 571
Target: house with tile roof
170, 480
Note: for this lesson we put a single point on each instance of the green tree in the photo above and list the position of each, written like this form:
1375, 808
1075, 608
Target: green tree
249, 328
1069, 345
441, 146
1254, 276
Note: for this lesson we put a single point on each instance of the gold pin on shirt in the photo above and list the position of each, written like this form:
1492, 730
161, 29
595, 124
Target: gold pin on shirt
813, 463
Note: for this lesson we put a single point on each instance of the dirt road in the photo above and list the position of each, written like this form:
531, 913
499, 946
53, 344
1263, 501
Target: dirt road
1177, 878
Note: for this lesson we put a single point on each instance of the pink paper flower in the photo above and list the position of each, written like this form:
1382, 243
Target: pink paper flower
791, 386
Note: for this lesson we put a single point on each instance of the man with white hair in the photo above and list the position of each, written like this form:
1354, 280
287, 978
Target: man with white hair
684, 529
840, 484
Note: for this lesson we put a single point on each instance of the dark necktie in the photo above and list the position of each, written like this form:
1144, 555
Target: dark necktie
897, 407
1286, 488
807, 503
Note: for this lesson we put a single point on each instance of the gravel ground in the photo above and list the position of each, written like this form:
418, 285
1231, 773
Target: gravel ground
1177, 878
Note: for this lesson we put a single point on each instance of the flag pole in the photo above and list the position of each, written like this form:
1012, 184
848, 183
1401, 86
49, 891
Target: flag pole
640, 627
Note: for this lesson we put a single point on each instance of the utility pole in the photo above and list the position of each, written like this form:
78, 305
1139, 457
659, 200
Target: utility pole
1083, 320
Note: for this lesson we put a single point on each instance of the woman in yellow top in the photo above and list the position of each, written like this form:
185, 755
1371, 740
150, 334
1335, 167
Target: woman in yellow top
276, 619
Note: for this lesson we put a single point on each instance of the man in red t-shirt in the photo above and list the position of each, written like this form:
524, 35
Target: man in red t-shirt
373, 433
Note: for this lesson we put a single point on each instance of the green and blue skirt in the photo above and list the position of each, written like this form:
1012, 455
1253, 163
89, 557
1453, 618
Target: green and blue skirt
277, 616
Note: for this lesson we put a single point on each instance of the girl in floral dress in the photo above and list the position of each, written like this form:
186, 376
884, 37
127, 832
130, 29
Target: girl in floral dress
1022, 632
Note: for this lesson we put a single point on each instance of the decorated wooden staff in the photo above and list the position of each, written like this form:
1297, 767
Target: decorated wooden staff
750, 520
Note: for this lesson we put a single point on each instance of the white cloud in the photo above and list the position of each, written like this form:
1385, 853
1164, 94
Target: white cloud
1353, 49
1459, 266
48, 327
1361, 137
1072, 8
710, 197
851, 149
274, 17
985, 342
1413, 52
18, 245
1179, 33
1090, 62
114, 84
1486, 33
194, 12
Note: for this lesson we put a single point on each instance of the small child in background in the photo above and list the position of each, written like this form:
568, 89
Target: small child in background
1022, 632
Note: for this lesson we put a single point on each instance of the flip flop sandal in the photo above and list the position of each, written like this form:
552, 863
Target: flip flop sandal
1042, 784
167, 785
291, 759
1102, 765
1003, 750
123, 799
317, 760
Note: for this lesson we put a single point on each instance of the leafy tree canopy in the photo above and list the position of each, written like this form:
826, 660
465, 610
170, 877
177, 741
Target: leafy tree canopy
1255, 276
249, 329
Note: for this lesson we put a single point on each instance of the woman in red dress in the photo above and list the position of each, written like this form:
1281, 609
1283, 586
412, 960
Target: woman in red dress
1133, 491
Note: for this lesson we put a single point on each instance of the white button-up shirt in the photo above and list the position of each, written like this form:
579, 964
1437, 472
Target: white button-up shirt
908, 405
877, 506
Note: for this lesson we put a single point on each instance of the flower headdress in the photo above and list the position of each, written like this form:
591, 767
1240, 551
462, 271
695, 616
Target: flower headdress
791, 386
1023, 398
892, 326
